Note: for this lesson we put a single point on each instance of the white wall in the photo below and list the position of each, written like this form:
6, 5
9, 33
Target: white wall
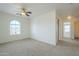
5, 27
44, 27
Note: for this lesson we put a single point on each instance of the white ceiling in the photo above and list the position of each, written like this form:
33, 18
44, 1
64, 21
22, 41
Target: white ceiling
63, 9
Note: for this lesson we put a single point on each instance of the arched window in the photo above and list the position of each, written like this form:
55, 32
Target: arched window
15, 27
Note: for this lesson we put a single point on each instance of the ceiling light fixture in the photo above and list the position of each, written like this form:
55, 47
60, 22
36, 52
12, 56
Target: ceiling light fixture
69, 17
24, 12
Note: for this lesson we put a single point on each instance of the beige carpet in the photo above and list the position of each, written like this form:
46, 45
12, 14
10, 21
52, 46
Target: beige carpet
29, 47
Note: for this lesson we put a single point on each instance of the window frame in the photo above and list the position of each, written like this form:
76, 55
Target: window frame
67, 27
14, 27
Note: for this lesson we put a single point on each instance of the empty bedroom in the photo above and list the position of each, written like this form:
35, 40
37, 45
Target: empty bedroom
39, 29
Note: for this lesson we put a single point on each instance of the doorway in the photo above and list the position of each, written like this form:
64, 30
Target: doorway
76, 27
67, 29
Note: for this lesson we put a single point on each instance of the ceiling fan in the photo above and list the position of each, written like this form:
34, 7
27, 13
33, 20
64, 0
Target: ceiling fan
24, 12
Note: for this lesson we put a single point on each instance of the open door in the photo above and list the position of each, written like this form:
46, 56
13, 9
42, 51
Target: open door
57, 30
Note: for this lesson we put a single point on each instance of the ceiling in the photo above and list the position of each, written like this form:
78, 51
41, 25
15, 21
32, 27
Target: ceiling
63, 9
